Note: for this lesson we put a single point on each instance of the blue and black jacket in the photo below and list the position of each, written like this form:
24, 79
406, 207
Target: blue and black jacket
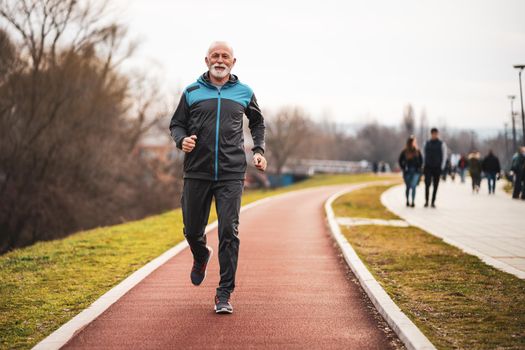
216, 117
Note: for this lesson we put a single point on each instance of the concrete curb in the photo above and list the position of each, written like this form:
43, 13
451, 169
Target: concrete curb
500, 265
406, 330
64, 333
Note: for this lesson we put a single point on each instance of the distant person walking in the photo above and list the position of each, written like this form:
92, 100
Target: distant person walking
454, 159
447, 170
375, 167
462, 167
474, 168
410, 162
435, 156
518, 168
491, 167
208, 127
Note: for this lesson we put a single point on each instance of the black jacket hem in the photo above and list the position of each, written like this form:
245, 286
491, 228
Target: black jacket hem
222, 177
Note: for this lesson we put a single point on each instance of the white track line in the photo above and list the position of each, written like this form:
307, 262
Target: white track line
406, 330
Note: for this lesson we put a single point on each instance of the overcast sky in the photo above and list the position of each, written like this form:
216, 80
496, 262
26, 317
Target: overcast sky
352, 60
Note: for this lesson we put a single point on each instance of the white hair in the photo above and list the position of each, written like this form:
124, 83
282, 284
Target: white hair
220, 43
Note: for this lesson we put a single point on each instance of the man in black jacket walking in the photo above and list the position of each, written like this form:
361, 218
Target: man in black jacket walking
207, 126
491, 167
435, 156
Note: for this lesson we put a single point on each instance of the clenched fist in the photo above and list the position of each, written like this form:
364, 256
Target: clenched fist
188, 143
259, 161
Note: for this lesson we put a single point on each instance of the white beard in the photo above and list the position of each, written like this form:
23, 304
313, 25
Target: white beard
218, 74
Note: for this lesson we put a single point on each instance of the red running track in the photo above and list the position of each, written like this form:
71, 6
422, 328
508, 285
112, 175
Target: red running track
293, 291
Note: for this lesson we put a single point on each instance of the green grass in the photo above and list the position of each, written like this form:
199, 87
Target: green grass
363, 204
48, 283
458, 301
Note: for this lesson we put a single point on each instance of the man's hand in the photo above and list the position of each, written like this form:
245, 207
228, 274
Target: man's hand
188, 143
259, 161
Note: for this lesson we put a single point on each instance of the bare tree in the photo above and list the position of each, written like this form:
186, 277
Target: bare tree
380, 143
331, 141
287, 132
8, 56
461, 141
409, 121
147, 112
424, 130
69, 122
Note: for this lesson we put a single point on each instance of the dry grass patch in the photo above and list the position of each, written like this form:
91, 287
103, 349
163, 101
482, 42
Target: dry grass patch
458, 301
363, 203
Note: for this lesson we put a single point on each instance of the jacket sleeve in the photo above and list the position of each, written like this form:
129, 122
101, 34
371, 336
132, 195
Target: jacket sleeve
514, 163
179, 122
256, 125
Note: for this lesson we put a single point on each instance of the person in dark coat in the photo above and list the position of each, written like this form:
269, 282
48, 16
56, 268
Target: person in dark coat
491, 167
474, 168
462, 167
518, 168
435, 156
410, 162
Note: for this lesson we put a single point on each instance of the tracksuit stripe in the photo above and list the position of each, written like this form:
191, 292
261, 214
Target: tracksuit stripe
217, 137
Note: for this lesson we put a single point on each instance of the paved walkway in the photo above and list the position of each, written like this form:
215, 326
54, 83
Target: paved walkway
491, 227
293, 291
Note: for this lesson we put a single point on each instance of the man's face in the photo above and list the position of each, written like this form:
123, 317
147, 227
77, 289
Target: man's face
220, 61
434, 135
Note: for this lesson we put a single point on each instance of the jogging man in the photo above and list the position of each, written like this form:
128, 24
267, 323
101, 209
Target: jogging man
435, 155
208, 127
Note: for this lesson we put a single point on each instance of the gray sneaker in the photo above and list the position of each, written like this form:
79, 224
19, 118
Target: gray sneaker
223, 306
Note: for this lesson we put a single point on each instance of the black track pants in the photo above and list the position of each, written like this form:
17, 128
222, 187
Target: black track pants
196, 201
431, 177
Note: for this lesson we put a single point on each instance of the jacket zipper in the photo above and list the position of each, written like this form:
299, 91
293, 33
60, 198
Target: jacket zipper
217, 136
